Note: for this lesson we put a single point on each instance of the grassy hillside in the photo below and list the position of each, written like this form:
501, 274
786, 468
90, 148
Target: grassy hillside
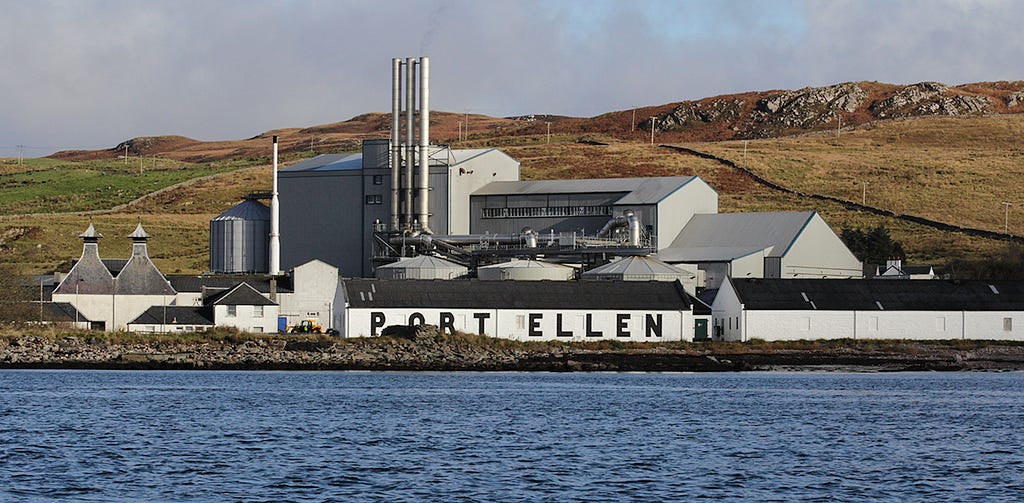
955, 170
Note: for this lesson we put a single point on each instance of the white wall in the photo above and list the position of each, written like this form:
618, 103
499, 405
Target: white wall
315, 285
818, 253
530, 325
468, 176
245, 319
676, 209
121, 308
991, 325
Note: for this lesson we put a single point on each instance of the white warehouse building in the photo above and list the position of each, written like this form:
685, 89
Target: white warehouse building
777, 309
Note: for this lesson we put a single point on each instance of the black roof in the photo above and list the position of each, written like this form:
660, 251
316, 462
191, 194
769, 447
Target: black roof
176, 315
206, 282
241, 295
626, 295
62, 311
865, 295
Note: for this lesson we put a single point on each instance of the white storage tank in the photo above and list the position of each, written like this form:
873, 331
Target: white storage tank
526, 270
645, 268
240, 239
421, 267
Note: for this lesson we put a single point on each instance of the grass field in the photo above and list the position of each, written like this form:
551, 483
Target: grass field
956, 170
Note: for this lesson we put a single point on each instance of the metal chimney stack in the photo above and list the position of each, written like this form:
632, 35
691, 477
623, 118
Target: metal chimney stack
410, 135
423, 212
396, 137
275, 223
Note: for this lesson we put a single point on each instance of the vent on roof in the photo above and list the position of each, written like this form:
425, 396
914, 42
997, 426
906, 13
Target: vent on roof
804, 295
994, 289
879, 304
813, 306
369, 295
362, 297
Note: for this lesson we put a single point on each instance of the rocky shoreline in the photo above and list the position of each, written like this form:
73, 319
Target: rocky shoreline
426, 350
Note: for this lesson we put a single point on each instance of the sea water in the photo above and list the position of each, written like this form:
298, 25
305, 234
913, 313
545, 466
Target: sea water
349, 436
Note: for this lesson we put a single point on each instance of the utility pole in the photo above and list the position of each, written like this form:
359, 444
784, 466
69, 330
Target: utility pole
632, 125
652, 129
1006, 216
549, 132
864, 193
460, 130
126, 154
839, 127
21, 153
744, 153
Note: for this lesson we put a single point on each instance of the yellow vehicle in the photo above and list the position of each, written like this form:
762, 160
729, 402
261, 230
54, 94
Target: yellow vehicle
306, 327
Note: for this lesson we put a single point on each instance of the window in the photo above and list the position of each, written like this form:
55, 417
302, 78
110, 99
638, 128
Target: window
520, 321
548, 211
257, 311
1007, 324
374, 199
378, 179
940, 324
257, 330
232, 311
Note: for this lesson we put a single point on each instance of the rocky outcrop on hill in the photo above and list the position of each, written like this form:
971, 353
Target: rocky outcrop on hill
929, 98
698, 113
808, 108
775, 113
1014, 99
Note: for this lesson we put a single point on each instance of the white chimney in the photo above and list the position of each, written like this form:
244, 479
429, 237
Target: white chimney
275, 218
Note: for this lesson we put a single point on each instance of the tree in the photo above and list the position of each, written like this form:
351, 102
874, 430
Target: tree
872, 246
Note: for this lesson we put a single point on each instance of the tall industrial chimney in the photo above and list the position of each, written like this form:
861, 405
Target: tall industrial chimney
275, 223
410, 135
422, 199
396, 137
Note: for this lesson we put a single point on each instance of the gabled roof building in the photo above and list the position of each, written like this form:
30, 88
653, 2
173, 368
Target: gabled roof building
776, 309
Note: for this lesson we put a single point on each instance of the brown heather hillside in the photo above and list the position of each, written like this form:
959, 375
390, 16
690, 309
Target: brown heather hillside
950, 154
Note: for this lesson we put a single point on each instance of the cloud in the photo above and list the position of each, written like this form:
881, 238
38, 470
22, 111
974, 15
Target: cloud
92, 73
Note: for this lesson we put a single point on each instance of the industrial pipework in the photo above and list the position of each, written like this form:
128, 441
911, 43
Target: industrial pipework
629, 220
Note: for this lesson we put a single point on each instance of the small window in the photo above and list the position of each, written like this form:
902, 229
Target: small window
232, 310
805, 323
1007, 324
940, 324
378, 179
520, 321
257, 330
374, 199
257, 311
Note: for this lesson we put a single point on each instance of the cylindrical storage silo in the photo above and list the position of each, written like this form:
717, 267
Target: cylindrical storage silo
240, 239
526, 270
421, 267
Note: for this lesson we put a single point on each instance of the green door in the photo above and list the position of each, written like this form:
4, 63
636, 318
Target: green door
700, 330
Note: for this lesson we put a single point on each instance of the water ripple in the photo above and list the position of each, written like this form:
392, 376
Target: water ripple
270, 436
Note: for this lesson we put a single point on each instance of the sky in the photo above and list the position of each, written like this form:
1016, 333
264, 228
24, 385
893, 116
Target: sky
89, 74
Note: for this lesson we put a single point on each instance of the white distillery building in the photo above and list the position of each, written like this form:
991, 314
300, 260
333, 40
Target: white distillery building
526, 310
774, 310
112, 293
761, 245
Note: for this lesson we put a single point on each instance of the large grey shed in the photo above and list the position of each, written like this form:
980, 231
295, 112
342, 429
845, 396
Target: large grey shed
526, 270
421, 267
240, 239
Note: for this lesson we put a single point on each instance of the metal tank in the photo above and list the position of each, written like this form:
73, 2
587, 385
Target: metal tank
421, 267
240, 239
526, 270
